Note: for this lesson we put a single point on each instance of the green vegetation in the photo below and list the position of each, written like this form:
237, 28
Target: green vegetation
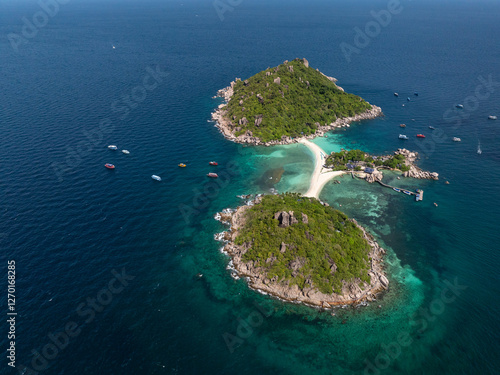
397, 162
358, 159
324, 251
339, 160
303, 98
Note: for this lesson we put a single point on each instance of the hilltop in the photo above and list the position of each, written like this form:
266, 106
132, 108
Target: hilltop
281, 104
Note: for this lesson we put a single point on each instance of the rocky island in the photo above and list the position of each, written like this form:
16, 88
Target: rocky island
401, 160
287, 103
301, 250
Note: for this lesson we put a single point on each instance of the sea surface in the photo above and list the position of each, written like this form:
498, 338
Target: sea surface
129, 266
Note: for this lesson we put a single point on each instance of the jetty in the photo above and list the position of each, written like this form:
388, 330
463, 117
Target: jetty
419, 195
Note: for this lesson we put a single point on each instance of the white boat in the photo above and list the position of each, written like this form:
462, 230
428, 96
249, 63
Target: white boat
126, 152
456, 139
492, 117
155, 177
459, 106
402, 136
112, 147
479, 151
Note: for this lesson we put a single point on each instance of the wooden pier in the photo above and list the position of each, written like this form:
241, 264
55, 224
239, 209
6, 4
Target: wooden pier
419, 195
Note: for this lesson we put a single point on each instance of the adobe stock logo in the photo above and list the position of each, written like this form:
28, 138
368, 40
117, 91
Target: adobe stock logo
372, 29
39, 19
222, 6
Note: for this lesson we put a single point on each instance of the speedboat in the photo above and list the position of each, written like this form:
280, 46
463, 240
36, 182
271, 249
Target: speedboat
432, 127
126, 152
396, 189
459, 106
182, 165
155, 177
415, 93
492, 117
112, 147
396, 94
408, 98
213, 163
456, 139
213, 175
402, 136
407, 192
420, 136
109, 166
479, 151
402, 126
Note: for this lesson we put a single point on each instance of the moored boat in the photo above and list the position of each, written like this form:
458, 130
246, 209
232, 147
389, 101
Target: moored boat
402, 136
109, 166
126, 152
182, 165
402, 125
396, 189
156, 177
459, 106
456, 139
212, 175
420, 136
112, 147
420, 195
407, 192
492, 117
213, 163
396, 94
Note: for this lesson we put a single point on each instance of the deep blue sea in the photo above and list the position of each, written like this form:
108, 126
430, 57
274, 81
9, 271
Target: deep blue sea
107, 261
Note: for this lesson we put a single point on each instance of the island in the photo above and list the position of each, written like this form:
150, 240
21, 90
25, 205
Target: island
294, 246
362, 165
401, 160
287, 103
299, 249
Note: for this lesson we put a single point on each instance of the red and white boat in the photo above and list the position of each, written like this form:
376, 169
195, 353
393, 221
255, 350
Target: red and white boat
109, 166
213, 163
213, 175
420, 136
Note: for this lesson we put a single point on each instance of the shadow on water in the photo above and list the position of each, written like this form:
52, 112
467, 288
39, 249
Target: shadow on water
270, 178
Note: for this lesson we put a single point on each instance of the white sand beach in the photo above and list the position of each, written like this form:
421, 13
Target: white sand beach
320, 175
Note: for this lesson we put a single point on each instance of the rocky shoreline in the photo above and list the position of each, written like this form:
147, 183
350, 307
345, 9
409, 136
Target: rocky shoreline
227, 128
414, 172
352, 293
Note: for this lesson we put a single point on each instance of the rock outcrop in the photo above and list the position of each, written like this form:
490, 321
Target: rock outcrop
416, 172
285, 218
305, 219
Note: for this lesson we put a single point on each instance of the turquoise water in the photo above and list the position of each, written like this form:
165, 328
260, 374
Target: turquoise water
68, 231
